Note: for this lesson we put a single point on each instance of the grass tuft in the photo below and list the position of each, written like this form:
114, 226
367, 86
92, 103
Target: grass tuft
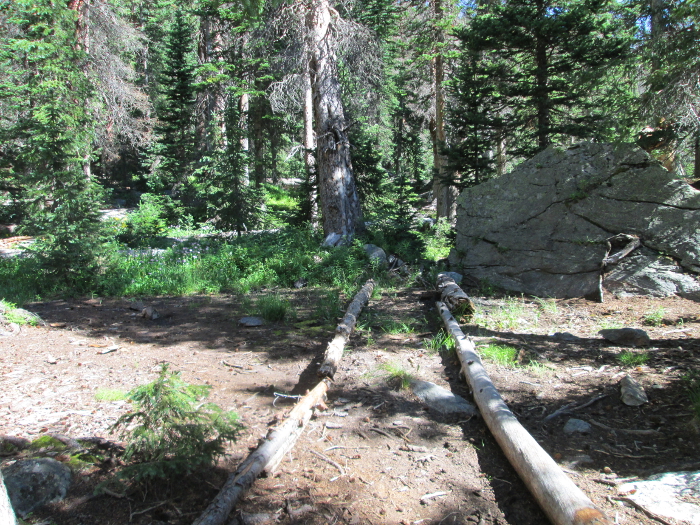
396, 375
503, 355
110, 394
631, 359
273, 308
439, 342
655, 317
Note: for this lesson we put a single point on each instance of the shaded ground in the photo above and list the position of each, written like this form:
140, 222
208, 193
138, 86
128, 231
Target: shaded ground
49, 377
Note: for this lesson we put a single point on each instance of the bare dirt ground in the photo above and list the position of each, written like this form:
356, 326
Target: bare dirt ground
49, 376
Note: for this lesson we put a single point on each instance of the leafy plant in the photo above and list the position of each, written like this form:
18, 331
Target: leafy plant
655, 317
172, 432
631, 359
396, 375
273, 308
328, 306
503, 355
11, 314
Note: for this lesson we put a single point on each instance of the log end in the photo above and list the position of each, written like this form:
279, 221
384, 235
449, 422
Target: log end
590, 516
327, 370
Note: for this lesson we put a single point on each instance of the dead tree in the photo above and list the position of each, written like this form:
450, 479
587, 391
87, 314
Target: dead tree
559, 497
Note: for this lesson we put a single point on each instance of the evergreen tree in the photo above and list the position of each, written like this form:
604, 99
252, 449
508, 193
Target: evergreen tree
556, 53
47, 135
173, 151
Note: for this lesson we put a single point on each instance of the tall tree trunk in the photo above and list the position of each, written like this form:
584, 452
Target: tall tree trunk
445, 194
258, 149
340, 204
696, 167
243, 107
310, 144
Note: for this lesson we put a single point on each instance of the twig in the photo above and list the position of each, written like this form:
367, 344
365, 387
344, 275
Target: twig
648, 432
340, 446
383, 433
615, 482
132, 514
571, 408
328, 460
231, 365
433, 495
644, 510
285, 396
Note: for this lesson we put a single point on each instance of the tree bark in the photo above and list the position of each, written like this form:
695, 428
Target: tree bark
340, 204
445, 194
310, 143
334, 351
453, 296
7, 514
265, 458
559, 497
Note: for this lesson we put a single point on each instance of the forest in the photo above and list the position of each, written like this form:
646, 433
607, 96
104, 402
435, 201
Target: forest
197, 195
226, 116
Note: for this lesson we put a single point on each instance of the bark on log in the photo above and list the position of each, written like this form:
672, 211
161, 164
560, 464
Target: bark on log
265, 458
334, 351
453, 296
559, 497
7, 514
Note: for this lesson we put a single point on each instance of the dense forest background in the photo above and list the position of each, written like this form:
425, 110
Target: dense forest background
245, 115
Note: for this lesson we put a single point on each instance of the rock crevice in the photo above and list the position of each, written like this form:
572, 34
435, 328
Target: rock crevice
542, 229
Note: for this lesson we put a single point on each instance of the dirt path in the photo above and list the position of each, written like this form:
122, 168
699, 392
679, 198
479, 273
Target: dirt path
375, 454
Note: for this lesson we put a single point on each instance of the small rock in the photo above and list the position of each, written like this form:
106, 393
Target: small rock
456, 277
51, 359
632, 393
258, 518
150, 313
565, 336
32, 483
576, 425
251, 321
375, 253
442, 400
301, 283
626, 336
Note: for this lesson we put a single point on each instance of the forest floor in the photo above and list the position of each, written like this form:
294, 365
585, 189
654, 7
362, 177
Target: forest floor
49, 377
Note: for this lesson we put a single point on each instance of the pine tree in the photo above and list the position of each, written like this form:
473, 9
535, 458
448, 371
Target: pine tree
173, 151
47, 136
556, 52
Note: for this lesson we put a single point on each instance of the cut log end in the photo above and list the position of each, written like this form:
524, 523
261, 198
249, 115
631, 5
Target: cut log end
590, 516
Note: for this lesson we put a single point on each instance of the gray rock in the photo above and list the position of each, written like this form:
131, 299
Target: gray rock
577, 425
543, 228
456, 277
565, 336
251, 321
646, 273
632, 393
375, 253
626, 336
32, 483
442, 400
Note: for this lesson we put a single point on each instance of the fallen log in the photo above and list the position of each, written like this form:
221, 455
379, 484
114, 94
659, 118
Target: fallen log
453, 296
557, 495
265, 458
334, 350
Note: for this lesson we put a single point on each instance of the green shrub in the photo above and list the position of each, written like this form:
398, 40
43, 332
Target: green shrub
273, 308
172, 432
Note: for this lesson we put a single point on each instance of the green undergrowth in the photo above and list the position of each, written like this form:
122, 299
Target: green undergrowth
632, 359
503, 355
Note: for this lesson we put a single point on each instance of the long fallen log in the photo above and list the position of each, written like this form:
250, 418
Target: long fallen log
281, 440
559, 497
334, 350
265, 458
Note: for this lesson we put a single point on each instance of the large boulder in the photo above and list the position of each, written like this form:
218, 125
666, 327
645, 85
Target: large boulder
543, 228
32, 483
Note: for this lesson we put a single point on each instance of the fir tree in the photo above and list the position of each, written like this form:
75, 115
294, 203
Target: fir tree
173, 152
47, 136
556, 52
